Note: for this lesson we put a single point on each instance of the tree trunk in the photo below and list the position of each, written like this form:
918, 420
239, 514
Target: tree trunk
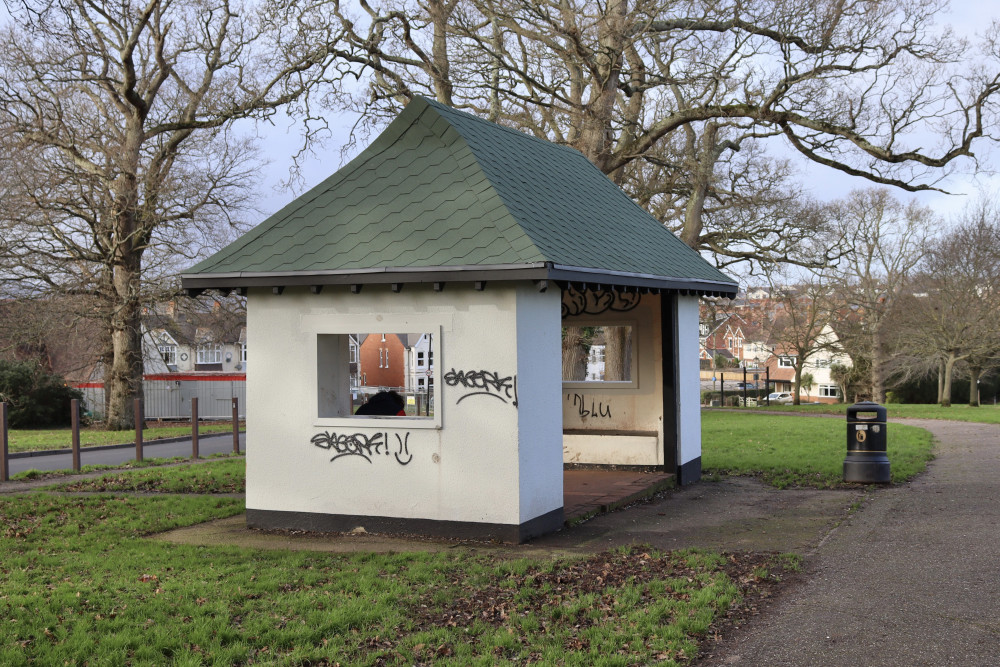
949, 367
574, 361
701, 182
878, 381
940, 378
798, 386
595, 139
123, 382
440, 69
974, 372
617, 354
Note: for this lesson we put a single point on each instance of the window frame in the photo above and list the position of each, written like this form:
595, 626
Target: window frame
347, 422
203, 348
168, 349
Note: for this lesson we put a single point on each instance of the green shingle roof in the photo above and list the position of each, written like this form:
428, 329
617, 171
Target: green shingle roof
443, 192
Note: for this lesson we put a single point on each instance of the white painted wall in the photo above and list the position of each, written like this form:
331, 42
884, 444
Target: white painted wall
539, 373
480, 459
689, 389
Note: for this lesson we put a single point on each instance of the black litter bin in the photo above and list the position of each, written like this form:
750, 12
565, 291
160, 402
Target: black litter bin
867, 461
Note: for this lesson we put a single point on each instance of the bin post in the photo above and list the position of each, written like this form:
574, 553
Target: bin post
867, 461
137, 409
4, 460
236, 425
194, 427
74, 419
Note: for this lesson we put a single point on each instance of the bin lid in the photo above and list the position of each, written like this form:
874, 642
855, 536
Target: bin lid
878, 413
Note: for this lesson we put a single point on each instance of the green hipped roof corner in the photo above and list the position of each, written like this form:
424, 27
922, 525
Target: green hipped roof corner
442, 188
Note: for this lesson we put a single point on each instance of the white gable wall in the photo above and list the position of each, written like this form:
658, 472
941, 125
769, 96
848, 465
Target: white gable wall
482, 459
689, 389
539, 373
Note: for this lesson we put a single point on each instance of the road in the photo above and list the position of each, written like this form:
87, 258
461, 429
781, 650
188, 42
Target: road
63, 460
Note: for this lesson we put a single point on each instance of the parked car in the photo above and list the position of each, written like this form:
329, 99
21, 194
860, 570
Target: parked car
780, 397
747, 385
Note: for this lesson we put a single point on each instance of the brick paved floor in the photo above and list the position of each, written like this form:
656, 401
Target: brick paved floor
588, 492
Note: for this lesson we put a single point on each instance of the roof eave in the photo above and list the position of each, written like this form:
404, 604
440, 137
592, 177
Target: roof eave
198, 282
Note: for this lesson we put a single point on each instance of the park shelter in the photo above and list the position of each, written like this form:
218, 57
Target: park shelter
494, 243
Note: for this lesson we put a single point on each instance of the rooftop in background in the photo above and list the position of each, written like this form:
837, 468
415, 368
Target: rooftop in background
442, 195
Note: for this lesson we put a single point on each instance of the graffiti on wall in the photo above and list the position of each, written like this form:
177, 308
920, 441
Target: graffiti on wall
366, 446
596, 408
483, 383
595, 302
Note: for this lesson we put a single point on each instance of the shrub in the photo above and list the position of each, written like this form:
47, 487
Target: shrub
36, 398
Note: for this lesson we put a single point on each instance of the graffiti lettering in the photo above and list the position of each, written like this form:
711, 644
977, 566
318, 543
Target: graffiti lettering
595, 302
365, 446
484, 383
597, 408
403, 449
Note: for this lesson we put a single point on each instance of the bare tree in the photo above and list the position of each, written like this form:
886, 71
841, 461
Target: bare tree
676, 100
952, 313
120, 114
799, 330
888, 240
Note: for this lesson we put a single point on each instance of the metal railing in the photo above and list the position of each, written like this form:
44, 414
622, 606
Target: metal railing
171, 399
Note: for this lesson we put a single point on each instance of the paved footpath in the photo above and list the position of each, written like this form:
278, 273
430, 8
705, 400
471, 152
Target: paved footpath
912, 579
208, 444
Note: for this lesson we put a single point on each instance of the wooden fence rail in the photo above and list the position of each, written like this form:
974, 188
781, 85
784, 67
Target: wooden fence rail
75, 449
4, 469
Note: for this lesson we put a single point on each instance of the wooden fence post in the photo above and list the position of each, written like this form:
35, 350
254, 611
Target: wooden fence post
4, 462
236, 425
194, 427
74, 418
137, 404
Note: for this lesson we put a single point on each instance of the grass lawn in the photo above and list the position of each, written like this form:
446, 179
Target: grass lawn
985, 414
227, 475
28, 440
798, 451
83, 584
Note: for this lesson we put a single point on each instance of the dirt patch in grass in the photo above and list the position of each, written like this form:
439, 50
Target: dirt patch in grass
758, 576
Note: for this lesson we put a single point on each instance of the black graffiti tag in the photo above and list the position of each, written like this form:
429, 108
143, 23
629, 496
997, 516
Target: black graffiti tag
597, 408
403, 449
365, 446
484, 383
590, 302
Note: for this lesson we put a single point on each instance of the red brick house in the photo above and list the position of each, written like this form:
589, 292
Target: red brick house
383, 361
725, 337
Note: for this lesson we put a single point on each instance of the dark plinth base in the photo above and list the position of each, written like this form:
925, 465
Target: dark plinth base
865, 469
340, 523
689, 473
